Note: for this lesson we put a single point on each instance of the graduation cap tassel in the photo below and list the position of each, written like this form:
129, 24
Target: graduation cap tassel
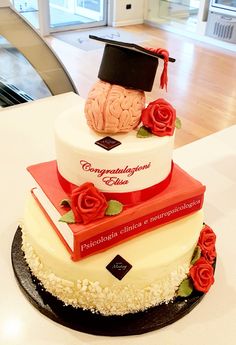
164, 76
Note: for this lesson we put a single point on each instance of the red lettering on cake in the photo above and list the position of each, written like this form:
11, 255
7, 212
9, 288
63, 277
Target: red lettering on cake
114, 181
139, 225
86, 166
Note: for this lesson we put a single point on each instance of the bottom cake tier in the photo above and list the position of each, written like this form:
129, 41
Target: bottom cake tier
131, 277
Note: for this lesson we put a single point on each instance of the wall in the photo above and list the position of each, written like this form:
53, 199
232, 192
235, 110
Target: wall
122, 16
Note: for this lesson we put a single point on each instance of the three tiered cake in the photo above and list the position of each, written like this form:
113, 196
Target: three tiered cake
113, 225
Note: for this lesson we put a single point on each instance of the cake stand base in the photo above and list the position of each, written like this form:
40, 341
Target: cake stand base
85, 321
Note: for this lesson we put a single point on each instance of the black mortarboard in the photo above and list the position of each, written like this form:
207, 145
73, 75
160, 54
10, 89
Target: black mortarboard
128, 64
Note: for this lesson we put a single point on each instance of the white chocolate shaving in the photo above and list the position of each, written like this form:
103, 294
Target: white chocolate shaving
112, 300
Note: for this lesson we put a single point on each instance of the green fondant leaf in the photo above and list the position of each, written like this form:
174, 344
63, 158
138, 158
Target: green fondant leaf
114, 207
185, 288
143, 132
196, 255
65, 203
178, 123
68, 217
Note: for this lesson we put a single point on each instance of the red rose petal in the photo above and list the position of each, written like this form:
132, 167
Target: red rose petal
88, 203
159, 117
202, 274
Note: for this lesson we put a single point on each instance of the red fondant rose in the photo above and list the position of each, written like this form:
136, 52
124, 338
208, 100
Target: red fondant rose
88, 203
159, 117
207, 242
202, 275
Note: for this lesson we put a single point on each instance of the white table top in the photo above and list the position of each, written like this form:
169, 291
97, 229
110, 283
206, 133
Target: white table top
26, 137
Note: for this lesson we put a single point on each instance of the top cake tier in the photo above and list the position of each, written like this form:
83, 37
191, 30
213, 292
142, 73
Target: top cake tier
116, 165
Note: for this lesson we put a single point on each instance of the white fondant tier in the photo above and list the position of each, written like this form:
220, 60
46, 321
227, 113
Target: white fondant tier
160, 260
134, 165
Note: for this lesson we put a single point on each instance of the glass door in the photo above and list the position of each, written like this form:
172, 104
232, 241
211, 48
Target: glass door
74, 14
60, 15
29, 10
93, 9
180, 14
224, 4
182, 11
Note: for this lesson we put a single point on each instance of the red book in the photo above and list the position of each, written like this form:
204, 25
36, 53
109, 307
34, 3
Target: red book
184, 195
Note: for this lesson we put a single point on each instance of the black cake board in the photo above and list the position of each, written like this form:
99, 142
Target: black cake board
84, 321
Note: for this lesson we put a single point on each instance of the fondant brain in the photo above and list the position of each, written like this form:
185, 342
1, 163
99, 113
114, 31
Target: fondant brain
113, 108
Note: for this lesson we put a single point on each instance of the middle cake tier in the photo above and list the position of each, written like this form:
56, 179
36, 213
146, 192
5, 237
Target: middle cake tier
184, 195
119, 164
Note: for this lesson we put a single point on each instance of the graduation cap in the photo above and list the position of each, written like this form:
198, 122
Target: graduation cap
130, 65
